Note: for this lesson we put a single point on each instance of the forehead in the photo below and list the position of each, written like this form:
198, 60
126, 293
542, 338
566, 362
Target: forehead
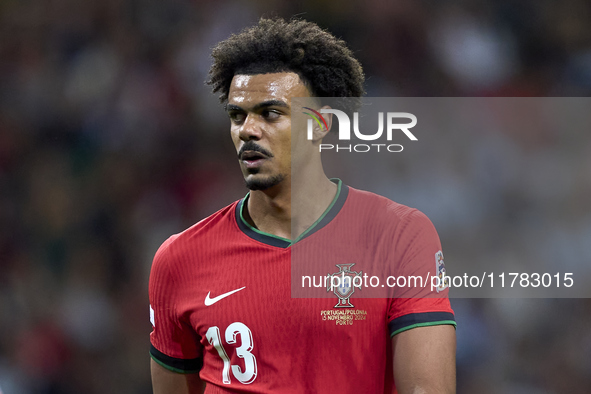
252, 89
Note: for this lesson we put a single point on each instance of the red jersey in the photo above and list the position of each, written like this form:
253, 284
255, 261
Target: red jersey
221, 300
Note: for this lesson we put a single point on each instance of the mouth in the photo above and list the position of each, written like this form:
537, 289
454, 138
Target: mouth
252, 158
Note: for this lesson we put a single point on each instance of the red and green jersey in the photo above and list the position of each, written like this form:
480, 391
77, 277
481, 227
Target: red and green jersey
222, 298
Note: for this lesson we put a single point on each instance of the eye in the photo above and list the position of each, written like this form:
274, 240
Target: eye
236, 117
270, 114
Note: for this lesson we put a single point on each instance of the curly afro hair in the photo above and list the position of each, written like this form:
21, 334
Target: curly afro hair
323, 62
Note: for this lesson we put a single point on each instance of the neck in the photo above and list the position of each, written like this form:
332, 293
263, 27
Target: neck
288, 209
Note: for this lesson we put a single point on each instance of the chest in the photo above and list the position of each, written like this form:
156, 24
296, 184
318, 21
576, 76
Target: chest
250, 293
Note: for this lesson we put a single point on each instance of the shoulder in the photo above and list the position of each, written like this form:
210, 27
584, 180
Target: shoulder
178, 246
384, 211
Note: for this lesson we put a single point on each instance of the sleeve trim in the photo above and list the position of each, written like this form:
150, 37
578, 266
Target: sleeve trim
424, 319
435, 323
178, 365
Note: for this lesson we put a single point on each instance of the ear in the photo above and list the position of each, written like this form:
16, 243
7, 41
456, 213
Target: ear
322, 129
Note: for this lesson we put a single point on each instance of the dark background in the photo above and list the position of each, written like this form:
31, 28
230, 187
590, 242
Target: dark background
110, 142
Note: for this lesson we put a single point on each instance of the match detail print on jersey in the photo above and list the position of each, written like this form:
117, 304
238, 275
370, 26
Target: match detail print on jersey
211, 301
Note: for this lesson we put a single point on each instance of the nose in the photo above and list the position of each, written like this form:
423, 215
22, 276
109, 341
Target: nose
250, 129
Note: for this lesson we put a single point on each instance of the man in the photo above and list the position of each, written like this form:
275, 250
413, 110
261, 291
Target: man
223, 316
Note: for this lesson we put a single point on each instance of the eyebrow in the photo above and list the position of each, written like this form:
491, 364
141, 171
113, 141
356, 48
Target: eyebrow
264, 104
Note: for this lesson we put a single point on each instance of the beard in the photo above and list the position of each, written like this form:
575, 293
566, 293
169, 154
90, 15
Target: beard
264, 183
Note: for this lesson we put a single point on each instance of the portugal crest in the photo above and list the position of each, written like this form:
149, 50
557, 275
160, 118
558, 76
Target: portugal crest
343, 284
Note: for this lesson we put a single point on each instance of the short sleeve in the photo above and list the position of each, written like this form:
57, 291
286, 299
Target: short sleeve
174, 343
418, 248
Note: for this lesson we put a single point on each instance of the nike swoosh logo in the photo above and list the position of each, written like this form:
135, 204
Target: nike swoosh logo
211, 301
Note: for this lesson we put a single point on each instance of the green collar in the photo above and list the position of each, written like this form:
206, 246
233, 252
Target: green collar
329, 214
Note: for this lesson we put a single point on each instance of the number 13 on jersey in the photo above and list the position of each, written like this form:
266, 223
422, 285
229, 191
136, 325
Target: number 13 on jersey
243, 351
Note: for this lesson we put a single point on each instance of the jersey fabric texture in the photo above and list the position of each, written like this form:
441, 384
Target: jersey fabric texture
221, 301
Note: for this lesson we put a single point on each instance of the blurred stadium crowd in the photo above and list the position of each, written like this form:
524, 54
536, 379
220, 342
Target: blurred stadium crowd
110, 142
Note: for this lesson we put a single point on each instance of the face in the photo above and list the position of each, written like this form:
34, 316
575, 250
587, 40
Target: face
260, 114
